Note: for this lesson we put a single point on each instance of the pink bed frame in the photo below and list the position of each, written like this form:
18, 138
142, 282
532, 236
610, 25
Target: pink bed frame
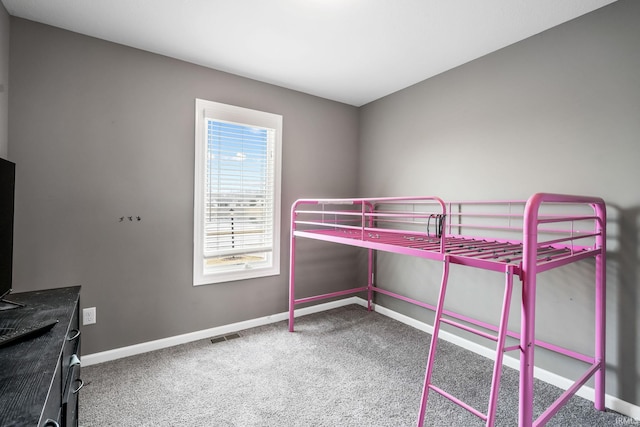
546, 231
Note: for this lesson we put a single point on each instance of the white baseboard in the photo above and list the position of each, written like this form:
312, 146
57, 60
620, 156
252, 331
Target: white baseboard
132, 350
586, 392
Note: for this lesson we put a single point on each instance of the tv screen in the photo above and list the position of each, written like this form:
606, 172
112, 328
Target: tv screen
7, 193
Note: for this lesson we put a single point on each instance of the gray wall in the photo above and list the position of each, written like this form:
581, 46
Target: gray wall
4, 82
99, 131
559, 112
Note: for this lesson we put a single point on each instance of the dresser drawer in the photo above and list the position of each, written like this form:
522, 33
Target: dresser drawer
71, 345
70, 397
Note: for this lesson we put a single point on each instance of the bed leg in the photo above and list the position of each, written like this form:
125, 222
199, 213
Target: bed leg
370, 280
600, 341
292, 286
527, 348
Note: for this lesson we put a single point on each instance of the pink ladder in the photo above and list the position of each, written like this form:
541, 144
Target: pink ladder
500, 339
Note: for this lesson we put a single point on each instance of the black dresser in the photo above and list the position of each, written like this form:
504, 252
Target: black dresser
40, 377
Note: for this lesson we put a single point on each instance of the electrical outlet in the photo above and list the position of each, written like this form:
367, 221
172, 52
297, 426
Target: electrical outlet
89, 316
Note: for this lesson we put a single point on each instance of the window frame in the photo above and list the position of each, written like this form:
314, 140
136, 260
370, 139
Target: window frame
244, 116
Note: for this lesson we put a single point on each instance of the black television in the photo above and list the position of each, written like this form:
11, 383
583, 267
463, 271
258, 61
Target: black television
7, 202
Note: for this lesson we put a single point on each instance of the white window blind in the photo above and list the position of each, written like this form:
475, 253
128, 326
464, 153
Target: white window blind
236, 193
239, 189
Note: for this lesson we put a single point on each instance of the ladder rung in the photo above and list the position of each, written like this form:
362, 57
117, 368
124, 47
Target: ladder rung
470, 329
513, 347
459, 402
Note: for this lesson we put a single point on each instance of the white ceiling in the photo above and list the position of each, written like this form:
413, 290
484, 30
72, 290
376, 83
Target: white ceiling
352, 51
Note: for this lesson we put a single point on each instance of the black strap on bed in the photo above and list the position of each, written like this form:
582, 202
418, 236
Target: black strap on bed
439, 223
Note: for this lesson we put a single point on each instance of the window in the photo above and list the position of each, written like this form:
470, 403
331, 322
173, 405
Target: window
237, 193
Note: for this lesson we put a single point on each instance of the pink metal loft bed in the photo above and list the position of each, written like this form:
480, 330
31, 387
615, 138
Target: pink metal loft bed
518, 238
